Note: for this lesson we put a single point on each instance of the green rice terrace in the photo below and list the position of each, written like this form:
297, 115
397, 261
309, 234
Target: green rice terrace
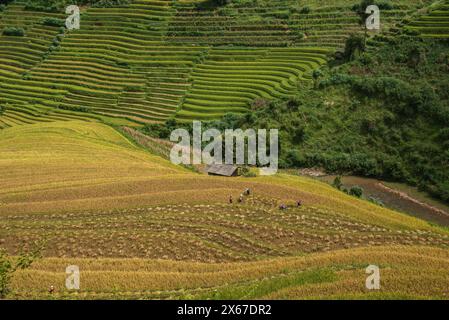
434, 24
146, 61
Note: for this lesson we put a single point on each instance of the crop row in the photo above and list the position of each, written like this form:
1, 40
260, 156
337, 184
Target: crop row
435, 24
229, 80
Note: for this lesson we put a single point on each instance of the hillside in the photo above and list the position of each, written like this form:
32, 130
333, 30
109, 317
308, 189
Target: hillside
150, 60
93, 195
383, 115
76, 105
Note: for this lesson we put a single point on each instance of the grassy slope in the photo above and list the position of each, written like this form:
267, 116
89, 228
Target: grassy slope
179, 215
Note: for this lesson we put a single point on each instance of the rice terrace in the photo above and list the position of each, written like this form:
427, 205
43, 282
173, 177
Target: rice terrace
92, 205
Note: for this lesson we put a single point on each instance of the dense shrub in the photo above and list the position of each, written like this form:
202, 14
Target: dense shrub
157, 130
45, 5
382, 4
356, 191
109, 3
376, 201
337, 183
3, 4
354, 47
74, 108
14, 31
210, 4
305, 10
221, 2
53, 22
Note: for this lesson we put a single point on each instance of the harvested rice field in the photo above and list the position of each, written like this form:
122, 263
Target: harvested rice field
139, 227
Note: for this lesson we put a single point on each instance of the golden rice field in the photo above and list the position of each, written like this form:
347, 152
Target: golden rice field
140, 227
407, 272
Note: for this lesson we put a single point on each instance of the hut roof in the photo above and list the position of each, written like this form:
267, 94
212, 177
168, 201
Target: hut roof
222, 169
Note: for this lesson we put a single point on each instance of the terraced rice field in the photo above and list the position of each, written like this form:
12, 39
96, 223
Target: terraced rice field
229, 80
276, 23
434, 24
115, 65
408, 272
28, 101
155, 59
140, 227
202, 232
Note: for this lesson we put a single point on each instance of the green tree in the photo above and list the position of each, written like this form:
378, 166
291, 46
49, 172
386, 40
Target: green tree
317, 74
13, 32
355, 45
210, 4
337, 183
356, 191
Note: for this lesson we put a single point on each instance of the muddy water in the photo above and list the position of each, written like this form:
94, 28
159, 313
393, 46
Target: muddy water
400, 201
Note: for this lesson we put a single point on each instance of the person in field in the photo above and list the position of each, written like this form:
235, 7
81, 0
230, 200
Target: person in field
299, 203
230, 199
247, 191
241, 198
